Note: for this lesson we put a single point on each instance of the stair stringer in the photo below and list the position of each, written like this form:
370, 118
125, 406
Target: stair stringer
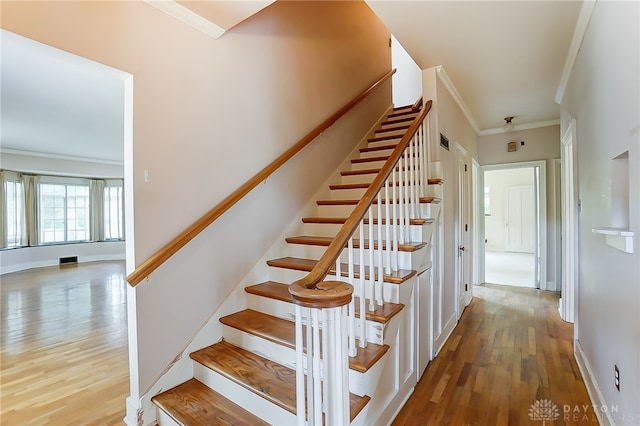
181, 368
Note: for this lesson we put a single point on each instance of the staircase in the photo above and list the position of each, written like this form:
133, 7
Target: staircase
250, 376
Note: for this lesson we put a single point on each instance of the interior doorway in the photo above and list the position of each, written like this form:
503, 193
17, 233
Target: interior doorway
513, 201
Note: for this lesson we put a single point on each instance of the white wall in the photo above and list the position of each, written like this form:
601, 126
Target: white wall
448, 118
542, 143
19, 259
603, 95
207, 115
407, 81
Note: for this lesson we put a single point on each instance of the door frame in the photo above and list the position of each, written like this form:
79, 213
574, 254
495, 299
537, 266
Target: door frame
541, 222
463, 230
568, 307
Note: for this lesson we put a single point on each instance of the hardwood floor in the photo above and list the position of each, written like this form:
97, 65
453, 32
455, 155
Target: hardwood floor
509, 350
64, 345
64, 355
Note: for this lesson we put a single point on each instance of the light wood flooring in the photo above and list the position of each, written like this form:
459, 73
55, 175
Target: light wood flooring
64, 355
509, 350
64, 346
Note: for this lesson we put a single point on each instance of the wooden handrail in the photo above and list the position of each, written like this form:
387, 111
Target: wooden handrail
300, 289
171, 248
416, 106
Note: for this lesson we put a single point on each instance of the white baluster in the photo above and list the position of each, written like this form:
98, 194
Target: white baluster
378, 288
387, 228
407, 199
394, 223
401, 210
362, 289
412, 183
317, 382
300, 392
372, 278
351, 315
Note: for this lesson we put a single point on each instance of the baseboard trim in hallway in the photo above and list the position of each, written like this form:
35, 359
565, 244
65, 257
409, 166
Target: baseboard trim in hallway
592, 386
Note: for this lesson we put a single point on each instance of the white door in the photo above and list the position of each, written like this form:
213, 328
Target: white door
464, 293
520, 219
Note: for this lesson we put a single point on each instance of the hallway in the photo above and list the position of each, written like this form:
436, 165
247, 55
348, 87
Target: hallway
510, 350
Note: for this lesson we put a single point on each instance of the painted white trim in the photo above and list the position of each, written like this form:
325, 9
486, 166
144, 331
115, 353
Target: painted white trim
188, 17
59, 157
526, 126
591, 384
440, 72
543, 223
586, 11
447, 330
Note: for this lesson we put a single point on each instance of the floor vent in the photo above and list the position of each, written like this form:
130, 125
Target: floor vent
69, 259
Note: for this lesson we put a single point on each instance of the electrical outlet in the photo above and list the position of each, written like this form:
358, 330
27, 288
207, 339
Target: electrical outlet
617, 377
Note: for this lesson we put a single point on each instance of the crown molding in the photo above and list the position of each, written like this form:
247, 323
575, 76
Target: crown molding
181, 13
525, 126
440, 72
586, 11
60, 157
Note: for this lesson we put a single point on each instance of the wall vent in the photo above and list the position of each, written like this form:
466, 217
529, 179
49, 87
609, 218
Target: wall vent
69, 259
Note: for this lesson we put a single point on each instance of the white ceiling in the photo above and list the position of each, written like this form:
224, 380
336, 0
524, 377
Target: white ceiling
504, 58
57, 103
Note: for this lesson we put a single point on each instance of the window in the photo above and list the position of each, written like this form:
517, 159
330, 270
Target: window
487, 201
113, 211
40, 210
64, 212
14, 213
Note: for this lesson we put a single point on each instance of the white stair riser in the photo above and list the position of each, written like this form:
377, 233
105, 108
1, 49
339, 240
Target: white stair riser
263, 347
375, 330
394, 123
368, 165
368, 177
424, 210
385, 142
385, 131
416, 232
164, 419
416, 260
378, 153
358, 193
248, 400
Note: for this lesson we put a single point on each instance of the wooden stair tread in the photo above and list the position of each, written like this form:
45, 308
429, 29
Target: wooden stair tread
365, 185
272, 381
397, 120
399, 113
277, 330
384, 138
382, 314
353, 202
299, 264
359, 172
394, 128
194, 403
435, 181
325, 241
369, 159
280, 291
378, 148
341, 220
282, 332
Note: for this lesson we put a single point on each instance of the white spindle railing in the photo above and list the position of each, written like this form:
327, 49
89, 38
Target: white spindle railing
326, 326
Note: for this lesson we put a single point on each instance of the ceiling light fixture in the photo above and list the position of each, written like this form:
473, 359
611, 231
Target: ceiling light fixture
508, 125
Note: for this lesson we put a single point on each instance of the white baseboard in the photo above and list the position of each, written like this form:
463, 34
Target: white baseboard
446, 332
591, 384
